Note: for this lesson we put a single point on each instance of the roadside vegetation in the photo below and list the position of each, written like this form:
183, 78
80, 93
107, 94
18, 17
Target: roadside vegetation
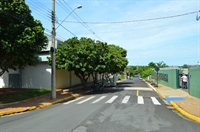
87, 57
21, 36
9, 95
144, 71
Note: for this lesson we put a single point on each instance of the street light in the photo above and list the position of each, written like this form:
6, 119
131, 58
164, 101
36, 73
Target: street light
53, 64
78, 7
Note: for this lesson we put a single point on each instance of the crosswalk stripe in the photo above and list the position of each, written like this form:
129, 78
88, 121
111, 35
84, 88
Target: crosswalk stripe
140, 100
85, 100
125, 100
99, 99
155, 101
111, 99
73, 100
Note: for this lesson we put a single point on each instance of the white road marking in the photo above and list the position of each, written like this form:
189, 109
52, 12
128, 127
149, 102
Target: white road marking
140, 100
125, 100
99, 99
131, 88
137, 88
85, 100
155, 101
111, 99
73, 100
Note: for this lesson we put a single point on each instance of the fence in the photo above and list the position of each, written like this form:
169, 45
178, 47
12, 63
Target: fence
194, 82
168, 77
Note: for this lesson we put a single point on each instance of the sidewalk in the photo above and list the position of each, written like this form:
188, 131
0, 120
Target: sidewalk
186, 104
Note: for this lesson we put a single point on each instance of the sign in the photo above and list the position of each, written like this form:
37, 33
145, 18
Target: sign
157, 69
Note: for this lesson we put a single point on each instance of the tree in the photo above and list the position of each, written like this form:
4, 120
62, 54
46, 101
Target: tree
152, 65
131, 70
100, 58
145, 71
161, 64
185, 66
85, 57
116, 59
21, 37
78, 56
148, 71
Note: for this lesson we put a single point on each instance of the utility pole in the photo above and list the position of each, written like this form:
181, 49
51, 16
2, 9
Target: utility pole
53, 64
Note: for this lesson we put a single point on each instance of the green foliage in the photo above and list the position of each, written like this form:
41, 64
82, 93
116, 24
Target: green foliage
116, 60
152, 64
85, 56
145, 71
121, 77
161, 64
20, 94
21, 37
131, 70
185, 66
148, 71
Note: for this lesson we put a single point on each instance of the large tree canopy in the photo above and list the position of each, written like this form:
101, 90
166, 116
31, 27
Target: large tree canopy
78, 56
85, 56
21, 37
116, 61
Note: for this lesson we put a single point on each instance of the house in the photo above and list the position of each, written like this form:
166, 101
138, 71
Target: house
31, 76
39, 76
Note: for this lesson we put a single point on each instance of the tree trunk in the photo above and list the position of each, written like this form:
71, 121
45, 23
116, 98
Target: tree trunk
84, 78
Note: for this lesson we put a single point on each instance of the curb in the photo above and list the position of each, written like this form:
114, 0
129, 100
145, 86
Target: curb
19, 110
186, 114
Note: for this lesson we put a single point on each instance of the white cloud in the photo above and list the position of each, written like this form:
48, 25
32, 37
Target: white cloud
145, 41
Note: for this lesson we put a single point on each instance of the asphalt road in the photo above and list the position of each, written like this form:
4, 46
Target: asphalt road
130, 107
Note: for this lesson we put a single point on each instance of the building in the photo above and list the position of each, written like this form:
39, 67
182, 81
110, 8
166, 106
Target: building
32, 76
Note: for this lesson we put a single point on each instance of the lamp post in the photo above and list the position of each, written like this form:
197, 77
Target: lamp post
53, 54
78, 7
157, 69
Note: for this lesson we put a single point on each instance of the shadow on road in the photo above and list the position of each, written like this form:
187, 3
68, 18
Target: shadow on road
105, 91
125, 84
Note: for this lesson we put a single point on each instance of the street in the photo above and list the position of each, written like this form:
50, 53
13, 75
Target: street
130, 107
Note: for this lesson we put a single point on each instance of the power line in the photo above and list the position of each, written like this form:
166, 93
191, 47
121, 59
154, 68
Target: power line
40, 4
141, 20
44, 13
81, 21
68, 30
36, 4
85, 25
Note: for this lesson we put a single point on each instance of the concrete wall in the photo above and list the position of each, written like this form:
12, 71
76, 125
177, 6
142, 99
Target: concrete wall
63, 78
37, 77
168, 77
74, 79
194, 82
4, 79
40, 77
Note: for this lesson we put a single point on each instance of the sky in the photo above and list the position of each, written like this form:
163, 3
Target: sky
150, 30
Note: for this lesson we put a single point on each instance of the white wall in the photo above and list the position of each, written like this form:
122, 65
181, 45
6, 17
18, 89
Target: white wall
37, 77
4, 80
4, 83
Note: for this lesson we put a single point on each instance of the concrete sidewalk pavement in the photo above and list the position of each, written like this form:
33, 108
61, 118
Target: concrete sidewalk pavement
186, 104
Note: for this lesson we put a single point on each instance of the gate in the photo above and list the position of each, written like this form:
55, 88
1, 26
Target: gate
14, 81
